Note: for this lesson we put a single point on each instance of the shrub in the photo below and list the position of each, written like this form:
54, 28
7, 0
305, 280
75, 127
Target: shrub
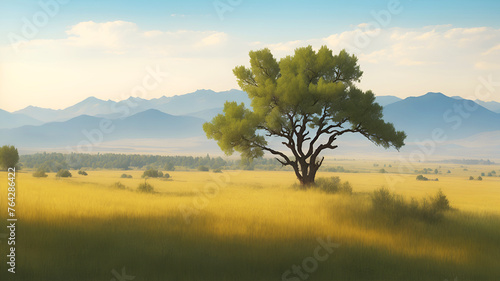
396, 207
217, 171
166, 175
422, 178
449, 172
440, 202
203, 168
333, 185
479, 178
63, 173
382, 171
40, 173
81, 172
483, 174
119, 185
471, 178
125, 176
145, 187
152, 173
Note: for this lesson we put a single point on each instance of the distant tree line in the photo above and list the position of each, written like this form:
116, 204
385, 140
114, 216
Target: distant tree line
469, 161
53, 162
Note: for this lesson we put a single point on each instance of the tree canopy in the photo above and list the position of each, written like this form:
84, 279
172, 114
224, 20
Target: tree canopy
9, 156
307, 100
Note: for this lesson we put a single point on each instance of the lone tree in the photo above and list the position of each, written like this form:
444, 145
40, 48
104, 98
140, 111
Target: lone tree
9, 156
307, 101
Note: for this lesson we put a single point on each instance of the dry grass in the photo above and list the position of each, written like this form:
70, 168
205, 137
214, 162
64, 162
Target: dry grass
246, 226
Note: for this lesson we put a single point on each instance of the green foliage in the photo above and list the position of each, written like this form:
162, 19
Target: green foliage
55, 161
152, 173
422, 178
440, 202
217, 171
396, 208
63, 173
119, 185
169, 166
471, 178
145, 187
203, 168
125, 176
40, 173
298, 99
382, 171
333, 185
83, 173
9, 157
479, 178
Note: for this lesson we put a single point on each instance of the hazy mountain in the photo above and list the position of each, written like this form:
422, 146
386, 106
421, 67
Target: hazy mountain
90, 106
457, 118
386, 100
201, 100
207, 114
39, 113
491, 105
86, 129
13, 120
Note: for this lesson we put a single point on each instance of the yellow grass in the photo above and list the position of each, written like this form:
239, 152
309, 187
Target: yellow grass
257, 211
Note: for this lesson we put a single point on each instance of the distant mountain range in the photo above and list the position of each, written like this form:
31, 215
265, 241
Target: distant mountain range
84, 130
457, 118
13, 120
188, 104
180, 117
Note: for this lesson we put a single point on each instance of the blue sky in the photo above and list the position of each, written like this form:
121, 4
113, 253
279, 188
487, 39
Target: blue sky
91, 47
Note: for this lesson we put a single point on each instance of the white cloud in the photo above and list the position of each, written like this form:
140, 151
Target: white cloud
102, 58
121, 37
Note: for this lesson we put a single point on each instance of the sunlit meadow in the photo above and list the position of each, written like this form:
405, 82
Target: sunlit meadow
250, 225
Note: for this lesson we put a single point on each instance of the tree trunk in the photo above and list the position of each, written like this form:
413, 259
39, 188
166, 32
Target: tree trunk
307, 175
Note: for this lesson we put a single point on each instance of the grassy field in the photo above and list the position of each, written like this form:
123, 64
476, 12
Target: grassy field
250, 225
